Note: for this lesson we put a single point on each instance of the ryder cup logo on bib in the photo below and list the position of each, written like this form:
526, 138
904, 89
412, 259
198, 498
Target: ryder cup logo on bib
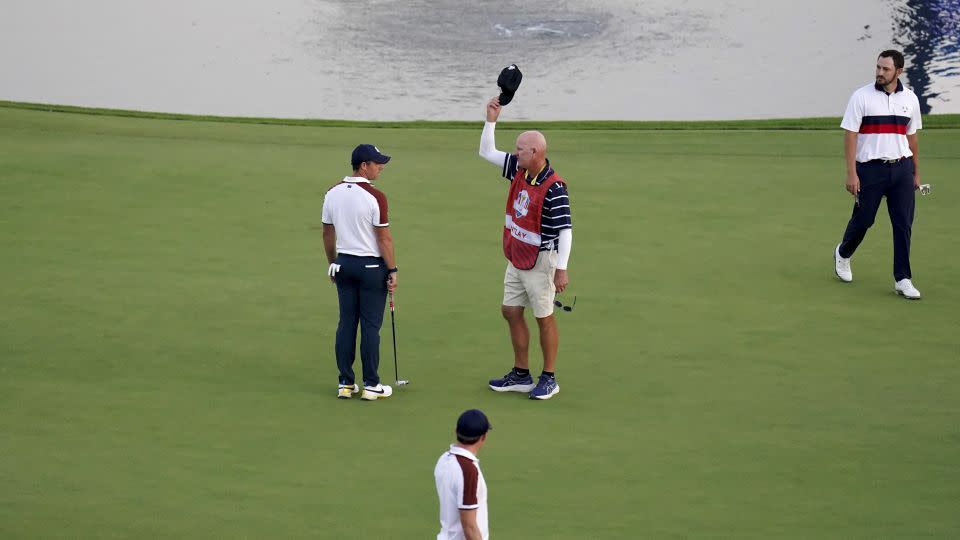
521, 204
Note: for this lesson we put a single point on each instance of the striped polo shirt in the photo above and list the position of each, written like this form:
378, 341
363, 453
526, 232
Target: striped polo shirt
882, 121
556, 204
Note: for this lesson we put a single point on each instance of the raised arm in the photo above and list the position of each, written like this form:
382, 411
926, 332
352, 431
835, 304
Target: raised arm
488, 144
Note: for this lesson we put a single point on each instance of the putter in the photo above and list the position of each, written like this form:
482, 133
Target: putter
393, 332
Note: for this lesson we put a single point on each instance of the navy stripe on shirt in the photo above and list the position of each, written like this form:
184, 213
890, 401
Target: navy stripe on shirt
888, 119
556, 206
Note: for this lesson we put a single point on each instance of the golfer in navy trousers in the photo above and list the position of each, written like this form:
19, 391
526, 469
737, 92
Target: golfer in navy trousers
881, 148
359, 248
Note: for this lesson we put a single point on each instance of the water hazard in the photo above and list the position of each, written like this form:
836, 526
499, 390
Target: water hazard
928, 31
438, 59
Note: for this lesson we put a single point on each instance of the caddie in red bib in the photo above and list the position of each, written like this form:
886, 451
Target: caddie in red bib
537, 239
521, 232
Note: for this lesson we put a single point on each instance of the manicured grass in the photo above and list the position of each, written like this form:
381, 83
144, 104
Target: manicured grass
166, 339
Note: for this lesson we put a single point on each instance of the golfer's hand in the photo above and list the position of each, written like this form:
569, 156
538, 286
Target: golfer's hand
332, 271
560, 280
916, 182
853, 184
493, 109
392, 282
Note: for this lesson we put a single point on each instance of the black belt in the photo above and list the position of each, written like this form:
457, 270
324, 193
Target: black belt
898, 160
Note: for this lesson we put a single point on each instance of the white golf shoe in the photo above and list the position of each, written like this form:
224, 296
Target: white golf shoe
905, 288
346, 391
373, 393
842, 266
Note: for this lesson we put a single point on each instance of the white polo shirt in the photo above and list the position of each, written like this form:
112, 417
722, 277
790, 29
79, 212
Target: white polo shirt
354, 207
460, 486
882, 121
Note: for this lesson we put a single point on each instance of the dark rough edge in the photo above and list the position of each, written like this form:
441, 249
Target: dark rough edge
942, 121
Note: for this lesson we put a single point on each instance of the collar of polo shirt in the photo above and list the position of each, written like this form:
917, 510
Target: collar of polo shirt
459, 450
880, 88
355, 179
537, 178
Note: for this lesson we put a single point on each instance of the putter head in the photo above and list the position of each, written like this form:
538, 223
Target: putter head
402, 382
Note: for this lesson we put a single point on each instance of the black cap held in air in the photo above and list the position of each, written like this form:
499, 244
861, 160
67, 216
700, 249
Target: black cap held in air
509, 81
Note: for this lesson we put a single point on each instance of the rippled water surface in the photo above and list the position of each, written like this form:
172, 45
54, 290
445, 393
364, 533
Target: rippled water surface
438, 59
929, 34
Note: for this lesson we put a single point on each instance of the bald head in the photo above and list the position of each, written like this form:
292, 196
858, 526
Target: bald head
534, 140
532, 150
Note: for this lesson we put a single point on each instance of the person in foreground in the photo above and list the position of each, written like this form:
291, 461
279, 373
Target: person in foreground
882, 154
359, 248
537, 240
460, 484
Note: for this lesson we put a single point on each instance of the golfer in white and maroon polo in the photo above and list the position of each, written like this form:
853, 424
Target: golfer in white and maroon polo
359, 248
460, 484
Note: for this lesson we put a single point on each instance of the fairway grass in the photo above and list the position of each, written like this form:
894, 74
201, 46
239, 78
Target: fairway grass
166, 338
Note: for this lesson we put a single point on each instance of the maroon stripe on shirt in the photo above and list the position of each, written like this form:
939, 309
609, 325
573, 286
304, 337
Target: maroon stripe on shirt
883, 128
471, 479
381, 202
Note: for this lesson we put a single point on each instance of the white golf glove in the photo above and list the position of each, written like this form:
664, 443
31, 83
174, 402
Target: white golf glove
334, 268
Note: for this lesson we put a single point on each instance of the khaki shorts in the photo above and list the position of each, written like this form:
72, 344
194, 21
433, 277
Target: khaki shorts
532, 288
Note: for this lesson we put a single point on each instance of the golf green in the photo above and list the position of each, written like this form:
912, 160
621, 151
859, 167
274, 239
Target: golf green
166, 338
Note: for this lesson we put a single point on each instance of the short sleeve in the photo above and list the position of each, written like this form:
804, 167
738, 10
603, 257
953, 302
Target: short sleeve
509, 166
378, 210
380, 218
556, 208
916, 121
466, 485
853, 116
325, 216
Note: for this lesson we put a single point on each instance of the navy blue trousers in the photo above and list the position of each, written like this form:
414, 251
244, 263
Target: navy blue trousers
895, 182
362, 290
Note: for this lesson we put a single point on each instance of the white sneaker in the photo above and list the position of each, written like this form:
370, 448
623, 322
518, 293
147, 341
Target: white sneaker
905, 288
842, 266
373, 393
346, 391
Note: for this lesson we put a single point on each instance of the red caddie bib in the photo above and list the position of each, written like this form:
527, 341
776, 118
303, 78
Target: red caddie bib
521, 233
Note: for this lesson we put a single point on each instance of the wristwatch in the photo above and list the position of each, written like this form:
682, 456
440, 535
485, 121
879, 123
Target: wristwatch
391, 270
